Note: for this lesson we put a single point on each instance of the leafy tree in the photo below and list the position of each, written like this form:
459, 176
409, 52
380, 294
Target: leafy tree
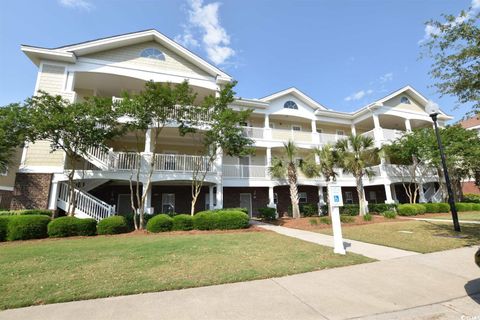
221, 133
288, 167
72, 128
355, 155
454, 45
408, 152
159, 105
14, 127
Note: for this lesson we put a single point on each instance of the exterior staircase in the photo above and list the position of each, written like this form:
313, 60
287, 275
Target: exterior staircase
87, 206
432, 195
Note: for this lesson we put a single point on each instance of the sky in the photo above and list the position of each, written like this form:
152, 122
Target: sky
343, 54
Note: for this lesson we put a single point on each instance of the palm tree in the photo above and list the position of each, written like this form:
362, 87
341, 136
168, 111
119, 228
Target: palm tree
288, 168
328, 160
355, 155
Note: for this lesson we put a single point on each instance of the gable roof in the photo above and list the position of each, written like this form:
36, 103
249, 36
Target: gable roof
70, 53
297, 93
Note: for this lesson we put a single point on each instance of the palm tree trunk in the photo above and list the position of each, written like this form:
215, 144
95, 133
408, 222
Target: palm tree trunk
292, 181
361, 196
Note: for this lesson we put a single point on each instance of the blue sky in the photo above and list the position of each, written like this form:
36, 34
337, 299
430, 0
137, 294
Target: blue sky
344, 54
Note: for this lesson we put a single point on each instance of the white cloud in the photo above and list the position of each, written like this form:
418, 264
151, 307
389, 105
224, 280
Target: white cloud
203, 20
76, 4
386, 77
358, 95
433, 30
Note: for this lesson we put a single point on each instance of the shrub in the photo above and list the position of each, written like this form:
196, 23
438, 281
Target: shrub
220, 219
367, 217
464, 206
308, 209
324, 210
183, 222
411, 209
389, 214
3, 228
27, 227
346, 219
244, 210
313, 221
112, 225
26, 212
325, 220
475, 206
71, 226
350, 210
443, 207
267, 213
432, 207
378, 208
471, 198
160, 223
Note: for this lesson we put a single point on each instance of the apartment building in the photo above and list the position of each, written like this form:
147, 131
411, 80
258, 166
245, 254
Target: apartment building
109, 66
472, 123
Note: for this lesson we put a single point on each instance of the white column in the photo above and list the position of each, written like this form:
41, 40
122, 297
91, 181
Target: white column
148, 199
378, 133
321, 200
269, 157
267, 121
408, 125
421, 194
267, 130
271, 198
315, 134
52, 202
148, 141
388, 193
219, 195
317, 158
70, 81
354, 130
314, 126
210, 197
394, 193
219, 161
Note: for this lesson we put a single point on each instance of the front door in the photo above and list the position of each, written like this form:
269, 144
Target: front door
246, 202
124, 204
168, 202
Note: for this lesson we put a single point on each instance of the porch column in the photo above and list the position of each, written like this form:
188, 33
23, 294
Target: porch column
314, 126
219, 196
271, 200
378, 133
317, 158
388, 193
394, 193
269, 157
408, 125
321, 200
219, 161
354, 130
267, 130
148, 141
267, 121
148, 199
52, 202
210, 197
315, 134
421, 194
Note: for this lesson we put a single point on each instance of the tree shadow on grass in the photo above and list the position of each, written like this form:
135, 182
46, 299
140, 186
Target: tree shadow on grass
470, 232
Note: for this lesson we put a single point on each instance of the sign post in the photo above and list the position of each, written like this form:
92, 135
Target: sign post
335, 202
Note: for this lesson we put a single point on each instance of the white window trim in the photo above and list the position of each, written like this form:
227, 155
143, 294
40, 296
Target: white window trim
164, 203
299, 197
340, 130
347, 199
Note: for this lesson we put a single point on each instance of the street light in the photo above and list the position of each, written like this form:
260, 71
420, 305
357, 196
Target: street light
433, 111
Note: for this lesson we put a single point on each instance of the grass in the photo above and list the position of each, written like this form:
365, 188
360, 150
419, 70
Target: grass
57, 270
419, 236
473, 216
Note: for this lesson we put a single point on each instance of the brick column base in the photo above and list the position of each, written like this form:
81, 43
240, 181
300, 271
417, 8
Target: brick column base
31, 191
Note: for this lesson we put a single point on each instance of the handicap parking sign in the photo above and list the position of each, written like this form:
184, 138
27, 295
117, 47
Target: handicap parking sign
335, 193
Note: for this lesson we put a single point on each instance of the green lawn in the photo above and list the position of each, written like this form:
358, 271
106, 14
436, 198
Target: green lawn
419, 236
474, 216
56, 270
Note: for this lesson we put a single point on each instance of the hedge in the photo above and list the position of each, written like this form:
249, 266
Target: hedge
3, 228
26, 212
112, 225
220, 219
27, 227
182, 222
432, 207
378, 208
71, 226
160, 223
461, 206
411, 209
267, 213
389, 214
471, 198
350, 210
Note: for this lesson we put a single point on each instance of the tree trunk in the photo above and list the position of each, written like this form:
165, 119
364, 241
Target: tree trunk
292, 181
361, 196
192, 206
72, 203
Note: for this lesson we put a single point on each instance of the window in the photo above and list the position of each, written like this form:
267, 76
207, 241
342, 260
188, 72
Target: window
340, 133
348, 197
319, 130
152, 53
168, 202
302, 197
290, 105
296, 128
372, 195
405, 100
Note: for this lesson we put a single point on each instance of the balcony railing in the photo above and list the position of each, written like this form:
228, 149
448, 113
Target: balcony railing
182, 163
244, 171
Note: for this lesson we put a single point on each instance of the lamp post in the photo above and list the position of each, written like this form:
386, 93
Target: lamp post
433, 110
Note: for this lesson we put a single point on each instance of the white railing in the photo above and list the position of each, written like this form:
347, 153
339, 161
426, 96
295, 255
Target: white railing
125, 161
182, 163
102, 155
244, 171
370, 134
253, 132
329, 138
395, 170
285, 135
390, 135
85, 203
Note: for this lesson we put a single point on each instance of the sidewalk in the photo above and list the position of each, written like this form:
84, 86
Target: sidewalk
366, 249
441, 285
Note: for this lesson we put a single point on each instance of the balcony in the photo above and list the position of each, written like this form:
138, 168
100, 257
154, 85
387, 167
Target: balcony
245, 171
384, 135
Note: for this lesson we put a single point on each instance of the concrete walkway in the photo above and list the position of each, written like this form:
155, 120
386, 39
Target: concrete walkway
442, 285
366, 249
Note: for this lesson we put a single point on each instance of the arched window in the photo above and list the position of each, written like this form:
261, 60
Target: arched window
152, 53
290, 105
405, 100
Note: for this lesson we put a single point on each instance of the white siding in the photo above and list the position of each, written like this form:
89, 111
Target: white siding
52, 79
